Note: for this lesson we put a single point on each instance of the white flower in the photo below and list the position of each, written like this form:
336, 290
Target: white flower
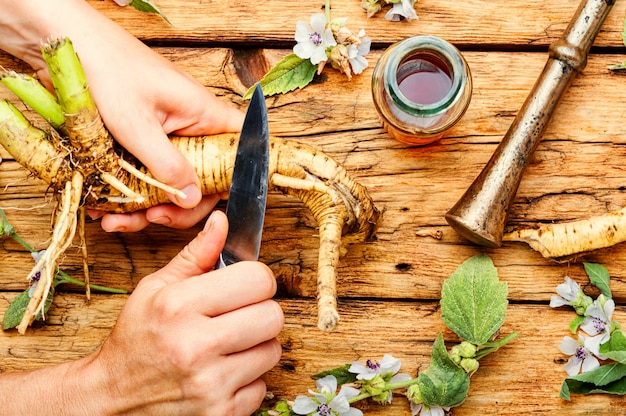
598, 322
123, 2
402, 10
581, 356
568, 292
571, 294
325, 402
356, 53
424, 410
313, 40
389, 365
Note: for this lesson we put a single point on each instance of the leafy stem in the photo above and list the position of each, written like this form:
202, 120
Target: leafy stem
388, 387
61, 277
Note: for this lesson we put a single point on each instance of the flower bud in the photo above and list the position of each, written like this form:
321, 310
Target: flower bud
470, 365
581, 303
340, 59
467, 349
414, 394
371, 7
375, 386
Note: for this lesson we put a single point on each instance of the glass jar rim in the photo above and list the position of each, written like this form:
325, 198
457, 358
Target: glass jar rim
439, 47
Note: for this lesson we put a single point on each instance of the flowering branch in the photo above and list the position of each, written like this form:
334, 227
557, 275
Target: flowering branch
600, 338
16, 309
320, 42
445, 383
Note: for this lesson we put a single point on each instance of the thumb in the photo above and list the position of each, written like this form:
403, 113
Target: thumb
201, 254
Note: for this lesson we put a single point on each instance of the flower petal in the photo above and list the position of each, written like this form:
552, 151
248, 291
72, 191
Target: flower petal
328, 38
348, 392
318, 55
304, 50
303, 31
572, 367
593, 343
569, 346
327, 384
590, 363
609, 308
304, 405
557, 301
318, 22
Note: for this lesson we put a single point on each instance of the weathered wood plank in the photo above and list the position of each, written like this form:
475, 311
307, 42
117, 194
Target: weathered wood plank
575, 172
76, 328
524, 24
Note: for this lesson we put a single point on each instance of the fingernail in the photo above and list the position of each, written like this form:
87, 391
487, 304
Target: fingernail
193, 196
118, 229
94, 215
161, 220
209, 222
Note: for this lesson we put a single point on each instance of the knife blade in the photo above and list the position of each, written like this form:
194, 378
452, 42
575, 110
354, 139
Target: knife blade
247, 196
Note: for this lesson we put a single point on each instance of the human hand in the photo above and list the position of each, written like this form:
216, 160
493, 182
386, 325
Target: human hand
140, 95
190, 342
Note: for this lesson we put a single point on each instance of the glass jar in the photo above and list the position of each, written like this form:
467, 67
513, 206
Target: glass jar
421, 87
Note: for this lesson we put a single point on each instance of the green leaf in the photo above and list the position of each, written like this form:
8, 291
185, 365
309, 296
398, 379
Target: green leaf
576, 322
15, 311
342, 374
609, 378
474, 301
615, 347
148, 7
624, 33
443, 383
599, 277
290, 73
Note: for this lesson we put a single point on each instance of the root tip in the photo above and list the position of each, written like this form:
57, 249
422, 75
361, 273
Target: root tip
328, 321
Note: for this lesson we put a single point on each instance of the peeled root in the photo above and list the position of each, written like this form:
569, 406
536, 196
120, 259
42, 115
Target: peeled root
558, 241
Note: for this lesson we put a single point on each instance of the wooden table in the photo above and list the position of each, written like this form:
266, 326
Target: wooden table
390, 288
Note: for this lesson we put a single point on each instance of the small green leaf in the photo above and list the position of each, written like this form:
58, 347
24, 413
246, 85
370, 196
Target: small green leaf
290, 73
624, 33
443, 383
342, 374
148, 7
474, 301
618, 68
15, 311
599, 277
609, 378
576, 322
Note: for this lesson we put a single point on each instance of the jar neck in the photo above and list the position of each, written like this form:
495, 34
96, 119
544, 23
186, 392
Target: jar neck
426, 54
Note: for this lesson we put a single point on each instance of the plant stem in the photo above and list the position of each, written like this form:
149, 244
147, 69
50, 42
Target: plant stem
29, 90
327, 10
388, 387
61, 277
490, 347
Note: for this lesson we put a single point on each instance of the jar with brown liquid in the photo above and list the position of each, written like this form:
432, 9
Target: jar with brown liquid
421, 87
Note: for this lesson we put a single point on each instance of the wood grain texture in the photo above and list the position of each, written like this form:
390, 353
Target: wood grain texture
522, 24
389, 288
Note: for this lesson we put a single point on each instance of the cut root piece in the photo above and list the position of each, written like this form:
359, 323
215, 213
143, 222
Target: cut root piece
562, 241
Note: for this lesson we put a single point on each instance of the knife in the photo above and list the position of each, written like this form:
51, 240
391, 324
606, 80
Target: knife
245, 209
